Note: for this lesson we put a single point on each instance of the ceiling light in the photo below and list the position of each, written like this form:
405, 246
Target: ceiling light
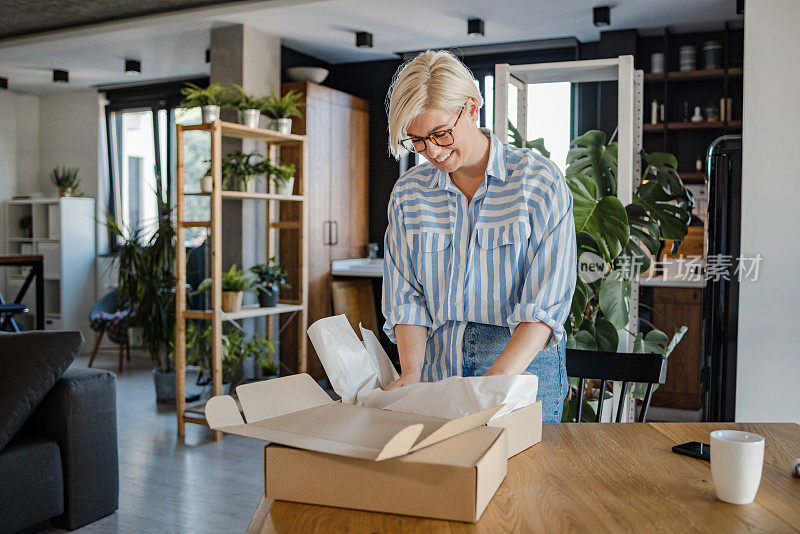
475, 28
602, 16
3, 83
133, 67
60, 76
363, 39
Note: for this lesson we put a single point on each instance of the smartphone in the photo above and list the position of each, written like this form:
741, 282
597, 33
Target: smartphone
695, 449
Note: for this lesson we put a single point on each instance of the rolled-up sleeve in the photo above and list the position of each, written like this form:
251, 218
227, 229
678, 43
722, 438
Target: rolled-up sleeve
403, 300
550, 269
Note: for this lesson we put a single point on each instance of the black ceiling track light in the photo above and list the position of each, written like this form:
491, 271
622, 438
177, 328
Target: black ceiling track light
363, 39
476, 28
3, 83
60, 76
602, 16
133, 67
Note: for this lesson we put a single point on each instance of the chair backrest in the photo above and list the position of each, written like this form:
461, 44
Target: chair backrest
107, 304
626, 368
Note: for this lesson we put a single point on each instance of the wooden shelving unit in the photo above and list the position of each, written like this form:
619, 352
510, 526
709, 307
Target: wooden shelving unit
297, 306
704, 125
680, 75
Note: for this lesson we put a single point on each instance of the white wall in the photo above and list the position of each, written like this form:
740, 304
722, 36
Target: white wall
68, 124
768, 370
19, 144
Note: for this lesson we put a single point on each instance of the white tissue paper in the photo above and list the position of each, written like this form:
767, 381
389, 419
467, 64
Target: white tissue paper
358, 372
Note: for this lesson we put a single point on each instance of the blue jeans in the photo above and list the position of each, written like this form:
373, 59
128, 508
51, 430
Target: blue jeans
483, 343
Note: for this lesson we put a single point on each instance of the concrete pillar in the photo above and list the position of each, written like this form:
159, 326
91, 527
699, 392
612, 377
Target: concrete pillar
248, 57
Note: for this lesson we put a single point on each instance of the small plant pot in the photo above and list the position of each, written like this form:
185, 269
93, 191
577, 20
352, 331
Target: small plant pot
165, 386
608, 404
268, 300
232, 301
284, 187
283, 126
65, 191
206, 184
248, 186
250, 118
209, 113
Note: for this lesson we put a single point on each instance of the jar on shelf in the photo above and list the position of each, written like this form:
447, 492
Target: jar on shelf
687, 58
657, 62
712, 55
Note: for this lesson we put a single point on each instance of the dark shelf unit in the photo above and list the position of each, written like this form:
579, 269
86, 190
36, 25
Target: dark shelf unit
686, 139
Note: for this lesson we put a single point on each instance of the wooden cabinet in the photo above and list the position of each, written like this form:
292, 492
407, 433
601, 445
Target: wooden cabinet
337, 127
680, 306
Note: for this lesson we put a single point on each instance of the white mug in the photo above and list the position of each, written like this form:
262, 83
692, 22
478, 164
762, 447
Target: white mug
737, 459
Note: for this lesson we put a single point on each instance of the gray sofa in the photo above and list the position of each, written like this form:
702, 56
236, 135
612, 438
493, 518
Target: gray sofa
61, 468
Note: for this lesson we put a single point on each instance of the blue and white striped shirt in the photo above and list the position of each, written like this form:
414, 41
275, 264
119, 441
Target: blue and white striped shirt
505, 257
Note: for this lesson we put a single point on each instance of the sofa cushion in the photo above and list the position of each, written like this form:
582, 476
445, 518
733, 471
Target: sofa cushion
30, 363
31, 482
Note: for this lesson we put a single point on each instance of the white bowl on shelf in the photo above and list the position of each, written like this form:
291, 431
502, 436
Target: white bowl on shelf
307, 74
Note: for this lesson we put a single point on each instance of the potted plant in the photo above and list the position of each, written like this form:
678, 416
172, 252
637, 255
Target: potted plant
262, 349
281, 109
234, 350
239, 169
66, 180
145, 265
234, 283
208, 99
248, 106
207, 182
283, 178
270, 277
622, 240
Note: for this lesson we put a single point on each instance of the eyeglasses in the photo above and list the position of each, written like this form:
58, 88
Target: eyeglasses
440, 138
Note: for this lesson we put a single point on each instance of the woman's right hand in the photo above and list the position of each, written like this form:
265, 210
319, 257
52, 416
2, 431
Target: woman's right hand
404, 380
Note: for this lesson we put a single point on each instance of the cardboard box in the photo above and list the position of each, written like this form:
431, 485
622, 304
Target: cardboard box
330, 453
454, 479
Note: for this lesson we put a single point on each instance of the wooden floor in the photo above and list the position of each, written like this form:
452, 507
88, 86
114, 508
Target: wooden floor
170, 486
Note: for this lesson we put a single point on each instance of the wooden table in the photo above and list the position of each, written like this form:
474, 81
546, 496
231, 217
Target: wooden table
35, 262
607, 477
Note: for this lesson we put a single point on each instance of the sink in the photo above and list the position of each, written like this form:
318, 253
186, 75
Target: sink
361, 267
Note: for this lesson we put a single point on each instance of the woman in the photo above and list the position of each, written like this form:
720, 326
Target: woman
479, 265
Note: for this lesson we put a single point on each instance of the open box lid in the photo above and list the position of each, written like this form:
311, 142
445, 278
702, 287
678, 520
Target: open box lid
296, 412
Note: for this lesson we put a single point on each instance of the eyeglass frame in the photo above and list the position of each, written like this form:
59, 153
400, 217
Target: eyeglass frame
438, 132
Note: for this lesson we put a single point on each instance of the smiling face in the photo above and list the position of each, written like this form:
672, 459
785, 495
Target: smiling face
448, 158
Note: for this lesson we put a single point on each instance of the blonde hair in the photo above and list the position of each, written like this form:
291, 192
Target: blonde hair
435, 79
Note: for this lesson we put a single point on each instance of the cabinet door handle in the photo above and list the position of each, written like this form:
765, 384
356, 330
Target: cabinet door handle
326, 237
336, 239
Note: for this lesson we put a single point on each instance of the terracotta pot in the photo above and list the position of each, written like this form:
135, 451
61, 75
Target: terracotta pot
232, 301
65, 191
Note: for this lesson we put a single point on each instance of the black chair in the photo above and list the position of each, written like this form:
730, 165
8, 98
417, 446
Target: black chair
7, 313
626, 368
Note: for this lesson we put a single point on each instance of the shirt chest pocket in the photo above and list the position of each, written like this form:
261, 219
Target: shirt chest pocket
433, 258
501, 260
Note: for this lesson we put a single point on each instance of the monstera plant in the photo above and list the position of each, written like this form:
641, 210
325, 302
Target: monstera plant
616, 242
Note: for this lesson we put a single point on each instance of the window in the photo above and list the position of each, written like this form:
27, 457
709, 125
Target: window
549, 114
134, 169
141, 139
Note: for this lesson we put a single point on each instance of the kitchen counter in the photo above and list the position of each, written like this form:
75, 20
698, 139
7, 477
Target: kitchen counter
358, 267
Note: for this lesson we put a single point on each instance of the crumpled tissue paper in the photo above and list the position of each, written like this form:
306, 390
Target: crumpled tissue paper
358, 372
